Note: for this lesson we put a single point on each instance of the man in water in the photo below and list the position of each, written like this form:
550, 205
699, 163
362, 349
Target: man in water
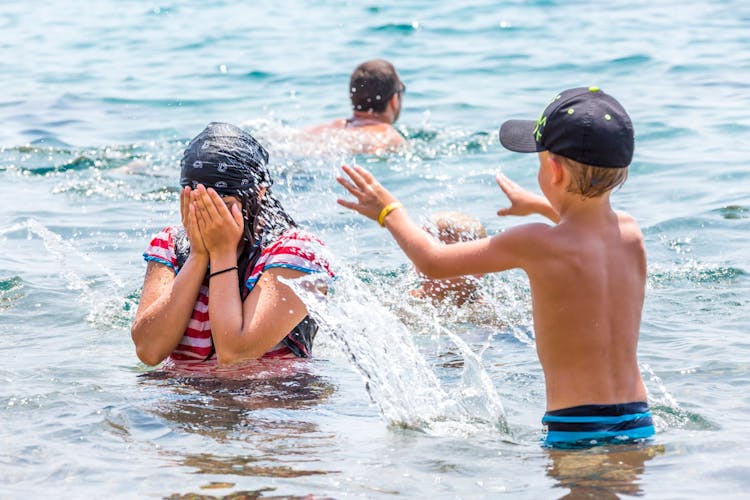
449, 228
376, 93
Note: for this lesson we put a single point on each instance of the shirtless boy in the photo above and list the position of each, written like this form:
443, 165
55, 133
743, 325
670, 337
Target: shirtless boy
587, 271
376, 94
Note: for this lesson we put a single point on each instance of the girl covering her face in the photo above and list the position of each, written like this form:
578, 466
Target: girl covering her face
241, 252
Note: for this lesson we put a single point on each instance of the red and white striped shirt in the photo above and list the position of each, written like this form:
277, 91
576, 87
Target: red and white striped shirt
293, 249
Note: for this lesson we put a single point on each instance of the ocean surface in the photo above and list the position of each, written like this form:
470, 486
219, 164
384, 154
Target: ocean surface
402, 399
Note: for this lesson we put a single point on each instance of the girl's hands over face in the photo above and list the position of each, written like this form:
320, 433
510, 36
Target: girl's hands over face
189, 222
220, 227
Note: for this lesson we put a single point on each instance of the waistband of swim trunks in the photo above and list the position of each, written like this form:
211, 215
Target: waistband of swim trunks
605, 410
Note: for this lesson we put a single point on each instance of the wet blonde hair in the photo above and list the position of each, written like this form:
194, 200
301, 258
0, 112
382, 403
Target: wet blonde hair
590, 181
452, 227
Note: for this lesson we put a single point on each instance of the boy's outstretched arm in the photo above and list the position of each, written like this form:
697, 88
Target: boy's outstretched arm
523, 202
431, 258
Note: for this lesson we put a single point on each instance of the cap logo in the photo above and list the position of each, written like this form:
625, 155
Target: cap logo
540, 123
197, 164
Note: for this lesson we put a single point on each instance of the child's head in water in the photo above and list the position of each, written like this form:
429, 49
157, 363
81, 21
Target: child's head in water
233, 163
452, 227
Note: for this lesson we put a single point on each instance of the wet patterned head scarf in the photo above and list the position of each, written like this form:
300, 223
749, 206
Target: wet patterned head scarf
226, 158
231, 161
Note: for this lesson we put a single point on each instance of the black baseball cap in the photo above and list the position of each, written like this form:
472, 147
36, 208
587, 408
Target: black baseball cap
583, 124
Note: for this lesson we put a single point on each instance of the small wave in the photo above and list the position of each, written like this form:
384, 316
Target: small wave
402, 28
666, 411
11, 291
259, 75
667, 417
660, 131
172, 103
694, 272
732, 212
632, 60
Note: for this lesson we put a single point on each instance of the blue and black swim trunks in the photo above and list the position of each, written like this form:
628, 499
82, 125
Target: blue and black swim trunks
589, 425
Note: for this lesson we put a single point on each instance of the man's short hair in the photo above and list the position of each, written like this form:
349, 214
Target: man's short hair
372, 84
590, 181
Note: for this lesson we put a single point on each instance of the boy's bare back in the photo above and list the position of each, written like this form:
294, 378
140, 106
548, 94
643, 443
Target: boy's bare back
587, 283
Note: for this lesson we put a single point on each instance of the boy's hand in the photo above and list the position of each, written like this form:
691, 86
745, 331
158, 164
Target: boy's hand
371, 196
189, 222
523, 202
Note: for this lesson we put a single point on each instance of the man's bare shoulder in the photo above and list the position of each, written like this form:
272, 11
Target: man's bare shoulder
327, 127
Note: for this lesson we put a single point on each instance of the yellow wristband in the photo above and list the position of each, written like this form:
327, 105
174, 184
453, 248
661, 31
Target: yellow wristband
386, 210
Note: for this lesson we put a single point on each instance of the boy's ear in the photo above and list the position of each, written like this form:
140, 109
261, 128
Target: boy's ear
557, 169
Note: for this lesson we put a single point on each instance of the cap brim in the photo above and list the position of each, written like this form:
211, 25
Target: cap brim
518, 136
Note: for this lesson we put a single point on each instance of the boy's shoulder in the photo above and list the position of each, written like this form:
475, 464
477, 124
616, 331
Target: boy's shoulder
629, 225
526, 241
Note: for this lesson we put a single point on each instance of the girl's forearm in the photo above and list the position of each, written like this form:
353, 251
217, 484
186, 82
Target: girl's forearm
225, 305
157, 331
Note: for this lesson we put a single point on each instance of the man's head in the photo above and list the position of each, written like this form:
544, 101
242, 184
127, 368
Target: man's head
590, 133
372, 86
449, 228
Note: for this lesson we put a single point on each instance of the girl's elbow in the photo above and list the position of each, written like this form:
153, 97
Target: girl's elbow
147, 353
148, 356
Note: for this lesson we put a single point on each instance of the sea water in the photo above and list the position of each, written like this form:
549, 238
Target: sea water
402, 399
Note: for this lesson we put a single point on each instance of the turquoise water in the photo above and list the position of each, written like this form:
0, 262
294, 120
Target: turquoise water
402, 400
